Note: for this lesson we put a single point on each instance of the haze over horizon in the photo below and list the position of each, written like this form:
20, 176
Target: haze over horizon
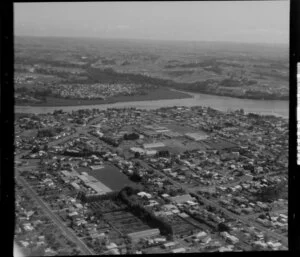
240, 22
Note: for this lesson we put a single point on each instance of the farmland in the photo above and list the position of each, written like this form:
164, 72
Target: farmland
43, 72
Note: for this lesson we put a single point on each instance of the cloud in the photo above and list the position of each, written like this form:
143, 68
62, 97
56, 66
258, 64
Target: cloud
123, 27
272, 31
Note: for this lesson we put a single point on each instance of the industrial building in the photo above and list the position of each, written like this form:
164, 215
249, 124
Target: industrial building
93, 183
136, 236
182, 198
196, 136
154, 145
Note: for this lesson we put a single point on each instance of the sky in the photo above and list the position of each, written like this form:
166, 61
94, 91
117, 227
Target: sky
250, 22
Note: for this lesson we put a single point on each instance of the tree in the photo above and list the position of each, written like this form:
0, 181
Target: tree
163, 153
35, 149
223, 227
137, 155
46, 148
262, 216
55, 245
75, 252
135, 177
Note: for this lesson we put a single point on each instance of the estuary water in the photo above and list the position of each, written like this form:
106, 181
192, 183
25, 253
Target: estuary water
222, 103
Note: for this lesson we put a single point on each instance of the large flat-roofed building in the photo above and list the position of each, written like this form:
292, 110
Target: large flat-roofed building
169, 245
137, 150
144, 234
162, 130
96, 185
96, 125
66, 173
75, 185
182, 198
96, 167
150, 152
172, 134
154, 145
179, 250
99, 187
83, 178
196, 136
72, 173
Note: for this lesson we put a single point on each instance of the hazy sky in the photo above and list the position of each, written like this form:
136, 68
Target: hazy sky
253, 21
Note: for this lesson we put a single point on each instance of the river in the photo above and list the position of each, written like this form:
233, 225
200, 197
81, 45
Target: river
222, 103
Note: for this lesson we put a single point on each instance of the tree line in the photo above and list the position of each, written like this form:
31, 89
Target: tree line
146, 215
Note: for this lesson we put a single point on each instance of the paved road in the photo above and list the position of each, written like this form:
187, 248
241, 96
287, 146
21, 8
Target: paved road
272, 212
193, 190
217, 206
66, 231
22, 153
56, 142
237, 182
99, 141
64, 139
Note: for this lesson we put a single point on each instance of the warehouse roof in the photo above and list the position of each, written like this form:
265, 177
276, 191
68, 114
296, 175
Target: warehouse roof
144, 233
196, 136
182, 198
154, 145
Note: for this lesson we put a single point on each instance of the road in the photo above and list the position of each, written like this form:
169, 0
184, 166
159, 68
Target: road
237, 182
244, 220
65, 230
56, 142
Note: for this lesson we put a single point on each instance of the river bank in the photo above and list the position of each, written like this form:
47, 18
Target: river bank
222, 103
157, 94
109, 75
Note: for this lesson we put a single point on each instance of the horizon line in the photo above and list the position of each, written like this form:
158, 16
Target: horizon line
157, 40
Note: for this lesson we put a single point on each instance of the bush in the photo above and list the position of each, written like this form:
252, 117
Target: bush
143, 213
230, 83
132, 136
51, 132
223, 227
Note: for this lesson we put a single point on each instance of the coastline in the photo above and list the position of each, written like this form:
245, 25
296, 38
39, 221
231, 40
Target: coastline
159, 94
195, 94
221, 103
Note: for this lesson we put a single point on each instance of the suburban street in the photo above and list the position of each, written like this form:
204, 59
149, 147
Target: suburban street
242, 219
65, 230
164, 138
83, 130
